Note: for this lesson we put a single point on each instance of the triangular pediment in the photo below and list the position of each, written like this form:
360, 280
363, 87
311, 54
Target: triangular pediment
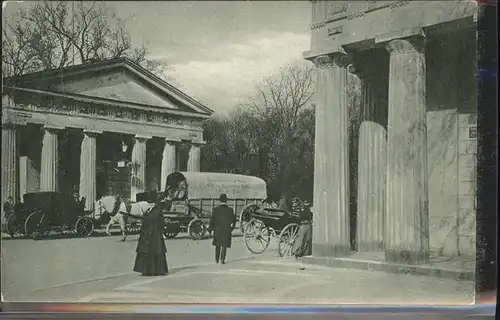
118, 85
117, 80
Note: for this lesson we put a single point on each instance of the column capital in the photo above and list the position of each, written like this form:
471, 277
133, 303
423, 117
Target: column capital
172, 140
9, 125
339, 59
406, 44
198, 143
92, 133
142, 138
412, 39
52, 129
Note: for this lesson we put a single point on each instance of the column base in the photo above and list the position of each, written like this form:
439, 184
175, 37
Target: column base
406, 256
370, 246
331, 250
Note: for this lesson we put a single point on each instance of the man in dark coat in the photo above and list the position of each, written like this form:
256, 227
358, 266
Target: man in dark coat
222, 224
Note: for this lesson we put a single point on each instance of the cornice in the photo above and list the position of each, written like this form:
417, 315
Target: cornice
104, 102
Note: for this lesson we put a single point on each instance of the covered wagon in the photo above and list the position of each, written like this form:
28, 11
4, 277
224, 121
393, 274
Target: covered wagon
196, 194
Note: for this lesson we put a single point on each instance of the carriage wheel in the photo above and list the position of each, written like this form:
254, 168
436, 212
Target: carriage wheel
134, 227
170, 234
84, 227
286, 239
172, 228
37, 224
197, 229
12, 227
246, 215
257, 236
66, 229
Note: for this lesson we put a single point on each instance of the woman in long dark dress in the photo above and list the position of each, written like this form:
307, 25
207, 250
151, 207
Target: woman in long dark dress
151, 258
302, 245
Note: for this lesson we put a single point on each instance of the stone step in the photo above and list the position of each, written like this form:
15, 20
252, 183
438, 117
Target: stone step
424, 270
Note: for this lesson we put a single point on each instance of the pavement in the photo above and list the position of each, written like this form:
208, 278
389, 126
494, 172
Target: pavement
458, 267
287, 282
99, 269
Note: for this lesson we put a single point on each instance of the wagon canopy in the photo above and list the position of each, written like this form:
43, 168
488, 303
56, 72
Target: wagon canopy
209, 185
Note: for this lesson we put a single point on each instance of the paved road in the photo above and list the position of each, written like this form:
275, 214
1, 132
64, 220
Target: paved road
29, 265
99, 270
278, 281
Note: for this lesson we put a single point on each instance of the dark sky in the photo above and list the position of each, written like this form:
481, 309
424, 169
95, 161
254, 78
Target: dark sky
218, 50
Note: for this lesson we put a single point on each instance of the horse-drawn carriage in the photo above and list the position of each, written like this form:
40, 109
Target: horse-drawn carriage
43, 212
261, 222
194, 195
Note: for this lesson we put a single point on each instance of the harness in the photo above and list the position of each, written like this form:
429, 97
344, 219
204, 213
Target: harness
116, 207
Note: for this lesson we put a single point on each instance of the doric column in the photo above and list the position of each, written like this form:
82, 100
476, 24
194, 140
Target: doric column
88, 163
194, 157
138, 177
10, 163
331, 173
168, 161
50, 159
407, 226
372, 159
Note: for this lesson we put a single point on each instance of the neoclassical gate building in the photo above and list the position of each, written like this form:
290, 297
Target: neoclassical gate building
412, 175
100, 128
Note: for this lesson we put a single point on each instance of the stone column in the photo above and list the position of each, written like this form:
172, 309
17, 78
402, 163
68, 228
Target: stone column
10, 164
138, 177
194, 157
406, 226
50, 160
88, 163
372, 161
331, 173
168, 161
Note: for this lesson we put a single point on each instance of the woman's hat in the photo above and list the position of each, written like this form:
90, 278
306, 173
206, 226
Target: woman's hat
223, 197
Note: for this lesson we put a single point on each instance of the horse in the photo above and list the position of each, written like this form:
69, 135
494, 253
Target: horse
107, 205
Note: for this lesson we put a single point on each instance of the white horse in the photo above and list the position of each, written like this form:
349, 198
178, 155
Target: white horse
107, 204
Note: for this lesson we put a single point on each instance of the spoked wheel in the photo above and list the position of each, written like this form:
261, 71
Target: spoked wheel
84, 227
134, 227
246, 215
256, 236
66, 230
12, 226
37, 225
286, 239
172, 228
197, 229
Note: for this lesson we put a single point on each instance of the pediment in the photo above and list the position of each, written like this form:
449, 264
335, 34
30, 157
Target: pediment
118, 80
120, 86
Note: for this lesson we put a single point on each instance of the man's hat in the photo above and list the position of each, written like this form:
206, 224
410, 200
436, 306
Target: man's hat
223, 197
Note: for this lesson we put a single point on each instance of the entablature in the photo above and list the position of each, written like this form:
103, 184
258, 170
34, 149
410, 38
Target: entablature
339, 24
91, 116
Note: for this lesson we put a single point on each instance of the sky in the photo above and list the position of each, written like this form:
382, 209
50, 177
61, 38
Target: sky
218, 51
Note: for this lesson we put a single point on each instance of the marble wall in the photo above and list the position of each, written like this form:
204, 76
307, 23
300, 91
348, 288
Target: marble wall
451, 110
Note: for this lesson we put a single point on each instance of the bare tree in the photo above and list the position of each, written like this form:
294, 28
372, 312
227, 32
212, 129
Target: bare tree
279, 106
56, 34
